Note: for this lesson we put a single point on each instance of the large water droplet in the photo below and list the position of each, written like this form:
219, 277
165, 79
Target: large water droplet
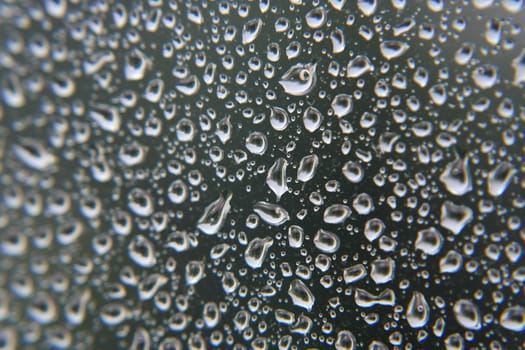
326, 241
276, 177
301, 295
307, 167
214, 215
256, 251
300, 79
467, 314
499, 178
272, 214
418, 310
455, 217
251, 30
456, 177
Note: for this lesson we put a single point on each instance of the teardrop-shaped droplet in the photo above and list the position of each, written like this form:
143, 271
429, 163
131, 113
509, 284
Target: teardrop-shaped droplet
499, 178
307, 167
418, 310
278, 118
256, 251
276, 177
214, 215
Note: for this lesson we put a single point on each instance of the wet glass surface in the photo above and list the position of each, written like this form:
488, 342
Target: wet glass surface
262, 174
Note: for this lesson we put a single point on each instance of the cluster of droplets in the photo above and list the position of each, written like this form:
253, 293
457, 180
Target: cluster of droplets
260, 175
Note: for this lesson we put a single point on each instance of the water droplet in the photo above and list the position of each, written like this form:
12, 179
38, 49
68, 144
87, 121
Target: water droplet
513, 318
256, 251
312, 119
345, 340
518, 64
307, 168
367, 7
326, 241
149, 286
142, 251
382, 270
315, 18
194, 272
256, 143
278, 118
272, 214
499, 178
366, 299
214, 215
34, 154
418, 310
295, 236
391, 49
251, 30
135, 65
467, 314
359, 66
353, 172
455, 217
336, 214
342, 105
300, 79
354, 273
429, 241
485, 76
140, 202
451, 262
456, 177
189, 86
301, 295
276, 177
106, 117
374, 229
363, 204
